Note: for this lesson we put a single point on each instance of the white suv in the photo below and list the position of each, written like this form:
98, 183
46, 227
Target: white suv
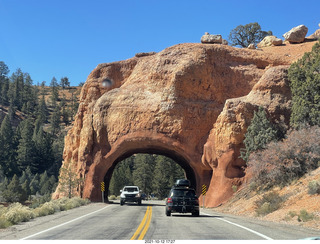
130, 194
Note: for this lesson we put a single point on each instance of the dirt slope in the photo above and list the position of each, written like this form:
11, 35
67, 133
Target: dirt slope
296, 198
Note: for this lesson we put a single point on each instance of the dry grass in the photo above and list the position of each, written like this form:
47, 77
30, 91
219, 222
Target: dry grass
16, 212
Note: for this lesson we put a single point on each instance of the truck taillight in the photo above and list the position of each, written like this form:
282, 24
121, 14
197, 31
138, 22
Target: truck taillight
169, 200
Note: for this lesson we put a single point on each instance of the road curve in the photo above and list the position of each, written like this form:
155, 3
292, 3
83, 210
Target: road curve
98, 221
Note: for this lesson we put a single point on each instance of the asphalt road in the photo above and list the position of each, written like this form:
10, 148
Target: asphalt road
100, 221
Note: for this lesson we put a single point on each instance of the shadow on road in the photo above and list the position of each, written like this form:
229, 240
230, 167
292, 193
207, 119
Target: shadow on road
189, 215
144, 203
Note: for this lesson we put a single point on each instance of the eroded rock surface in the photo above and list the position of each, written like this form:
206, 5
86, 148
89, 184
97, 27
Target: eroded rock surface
192, 102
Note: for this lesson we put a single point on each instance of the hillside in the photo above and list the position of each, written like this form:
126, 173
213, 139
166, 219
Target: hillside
70, 94
296, 198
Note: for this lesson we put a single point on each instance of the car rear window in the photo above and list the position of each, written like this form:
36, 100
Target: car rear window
130, 189
182, 193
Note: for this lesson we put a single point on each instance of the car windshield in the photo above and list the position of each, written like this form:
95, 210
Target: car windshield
182, 193
130, 189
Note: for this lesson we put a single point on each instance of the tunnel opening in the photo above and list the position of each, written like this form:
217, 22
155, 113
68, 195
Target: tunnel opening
167, 157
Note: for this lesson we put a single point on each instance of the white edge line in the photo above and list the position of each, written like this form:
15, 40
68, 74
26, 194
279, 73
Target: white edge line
240, 226
57, 226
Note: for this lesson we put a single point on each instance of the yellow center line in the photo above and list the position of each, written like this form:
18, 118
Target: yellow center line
144, 225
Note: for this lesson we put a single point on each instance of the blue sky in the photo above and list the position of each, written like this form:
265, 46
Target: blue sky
71, 37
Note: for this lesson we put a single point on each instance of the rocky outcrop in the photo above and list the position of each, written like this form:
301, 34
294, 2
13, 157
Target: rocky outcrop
269, 41
296, 34
315, 35
208, 38
222, 149
189, 102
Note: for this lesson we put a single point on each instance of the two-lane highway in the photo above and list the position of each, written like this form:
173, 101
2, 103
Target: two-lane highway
99, 221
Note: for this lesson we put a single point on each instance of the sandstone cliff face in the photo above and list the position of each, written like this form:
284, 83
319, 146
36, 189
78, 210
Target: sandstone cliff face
222, 149
168, 103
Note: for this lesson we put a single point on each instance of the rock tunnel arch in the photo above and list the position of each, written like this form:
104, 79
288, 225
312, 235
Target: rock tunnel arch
190, 101
132, 145
182, 162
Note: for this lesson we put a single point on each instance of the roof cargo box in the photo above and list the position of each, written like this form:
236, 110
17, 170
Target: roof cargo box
183, 182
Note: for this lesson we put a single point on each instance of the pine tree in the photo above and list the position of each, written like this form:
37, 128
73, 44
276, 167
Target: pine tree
15, 92
161, 179
42, 111
305, 87
7, 148
3, 186
259, 133
4, 83
26, 148
44, 184
64, 82
54, 92
68, 182
43, 153
4, 99
35, 185
121, 176
14, 191
55, 120
57, 149
143, 173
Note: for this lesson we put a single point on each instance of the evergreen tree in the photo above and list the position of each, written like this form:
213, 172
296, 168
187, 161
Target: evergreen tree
54, 92
15, 92
64, 82
29, 95
142, 176
166, 173
57, 149
55, 121
26, 148
7, 148
64, 110
121, 176
4, 99
244, 35
259, 134
68, 181
44, 184
35, 185
42, 111
305, 87
4, 83
14, 191
44, 156
25, 186
3, 186
161, 179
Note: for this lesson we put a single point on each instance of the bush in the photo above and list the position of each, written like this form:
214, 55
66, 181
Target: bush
47, 209
112, 197
4, 223
18, 213
282, 162
305, 216
314, 187
259, 133
69, 203
302, 216
269, 203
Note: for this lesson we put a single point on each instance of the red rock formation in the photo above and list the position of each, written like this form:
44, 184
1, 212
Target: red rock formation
167, 103
222, 150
